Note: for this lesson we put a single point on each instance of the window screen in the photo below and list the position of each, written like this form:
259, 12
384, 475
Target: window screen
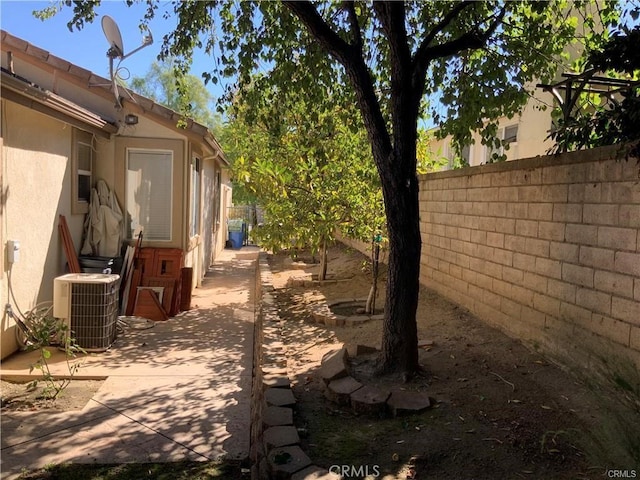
149, 193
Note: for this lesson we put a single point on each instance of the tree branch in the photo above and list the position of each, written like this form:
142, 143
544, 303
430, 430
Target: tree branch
470, 40
442, 24
392, 18
355, 26
356, 68
321, 31
421, 58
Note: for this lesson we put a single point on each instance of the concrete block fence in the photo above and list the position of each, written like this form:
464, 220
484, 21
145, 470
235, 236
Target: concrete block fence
546, 248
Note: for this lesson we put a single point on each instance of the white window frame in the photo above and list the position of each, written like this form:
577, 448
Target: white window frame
451, 155
488, 150
217, 199
130, 233
195, 203
81, 139
515, 139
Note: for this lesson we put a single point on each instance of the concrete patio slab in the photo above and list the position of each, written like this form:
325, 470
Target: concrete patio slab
177, 391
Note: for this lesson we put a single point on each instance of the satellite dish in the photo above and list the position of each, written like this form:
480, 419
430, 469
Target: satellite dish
116, 50
112, 32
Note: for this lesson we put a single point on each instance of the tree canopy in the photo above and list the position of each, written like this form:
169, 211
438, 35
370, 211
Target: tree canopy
160, 84
310, 169
475, 57
606, 117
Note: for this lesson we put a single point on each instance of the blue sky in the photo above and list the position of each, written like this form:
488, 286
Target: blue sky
88, 47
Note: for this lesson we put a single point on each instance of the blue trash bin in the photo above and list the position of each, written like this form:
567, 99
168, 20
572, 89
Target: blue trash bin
236, 239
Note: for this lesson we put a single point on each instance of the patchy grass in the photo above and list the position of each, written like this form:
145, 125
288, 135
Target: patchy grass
616, 438
140, 471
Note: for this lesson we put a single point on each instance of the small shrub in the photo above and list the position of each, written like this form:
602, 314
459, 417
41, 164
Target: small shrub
50, 333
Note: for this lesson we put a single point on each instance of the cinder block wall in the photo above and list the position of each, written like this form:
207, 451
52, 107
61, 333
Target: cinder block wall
546, 248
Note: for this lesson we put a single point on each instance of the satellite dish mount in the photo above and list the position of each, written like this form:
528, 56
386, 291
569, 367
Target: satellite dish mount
116, 51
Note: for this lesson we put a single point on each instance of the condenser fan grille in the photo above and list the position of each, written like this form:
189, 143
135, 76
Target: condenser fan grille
93, 314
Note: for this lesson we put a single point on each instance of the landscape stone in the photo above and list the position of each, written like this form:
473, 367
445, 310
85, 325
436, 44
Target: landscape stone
274, 369
404, 402
280, 436
274, 416
333, 365
285, 461
356, 320
314, 472
274, 359
340, 390
370, 400
263, 469
319, 317
279, 397
364, 350
275, 381
331, 320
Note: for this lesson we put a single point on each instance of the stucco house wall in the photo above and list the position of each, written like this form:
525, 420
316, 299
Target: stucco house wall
47, 104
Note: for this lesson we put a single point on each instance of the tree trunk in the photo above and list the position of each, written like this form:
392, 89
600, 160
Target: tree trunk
370, 307
400, 336
396, 163
322, 275
394, 152
400, 189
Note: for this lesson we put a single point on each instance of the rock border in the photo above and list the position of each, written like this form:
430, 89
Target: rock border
343, 389
310, 282
275, 442
322, 314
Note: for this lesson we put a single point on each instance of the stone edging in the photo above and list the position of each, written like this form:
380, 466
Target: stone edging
343, 389
321, 313
275, 443
306, 282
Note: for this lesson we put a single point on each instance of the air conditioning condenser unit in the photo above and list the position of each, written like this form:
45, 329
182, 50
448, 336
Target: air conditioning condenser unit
87, 303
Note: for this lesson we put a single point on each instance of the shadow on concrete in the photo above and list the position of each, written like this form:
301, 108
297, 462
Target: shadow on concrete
178, 391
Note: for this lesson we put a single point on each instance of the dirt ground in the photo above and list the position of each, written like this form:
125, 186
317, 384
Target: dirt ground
18, 396
500, 409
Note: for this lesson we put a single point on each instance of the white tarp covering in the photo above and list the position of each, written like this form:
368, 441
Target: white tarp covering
103, 225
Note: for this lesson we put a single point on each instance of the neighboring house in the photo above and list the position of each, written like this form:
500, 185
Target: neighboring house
62, 131
526, 133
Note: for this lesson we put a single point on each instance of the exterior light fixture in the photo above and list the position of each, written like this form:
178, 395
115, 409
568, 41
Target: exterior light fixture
130, 119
